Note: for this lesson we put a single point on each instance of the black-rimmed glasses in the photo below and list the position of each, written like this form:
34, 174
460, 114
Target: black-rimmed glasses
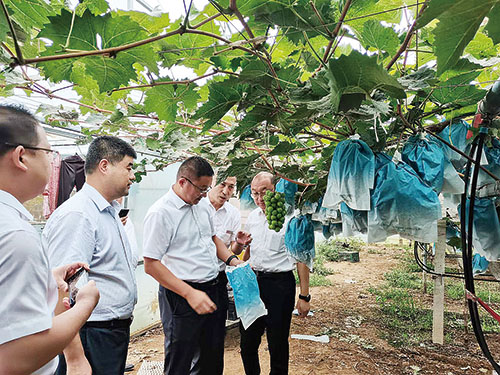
28, 147
202, 191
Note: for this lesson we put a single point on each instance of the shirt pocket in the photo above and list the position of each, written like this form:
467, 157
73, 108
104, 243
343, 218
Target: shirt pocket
275, 242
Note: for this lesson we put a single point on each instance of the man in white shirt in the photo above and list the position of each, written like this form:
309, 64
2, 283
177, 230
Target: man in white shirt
30, 336
181, 251
274, 269
87, 228
227, 224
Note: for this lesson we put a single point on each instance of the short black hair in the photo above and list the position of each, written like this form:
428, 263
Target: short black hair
17, 127
113, 149
195, 167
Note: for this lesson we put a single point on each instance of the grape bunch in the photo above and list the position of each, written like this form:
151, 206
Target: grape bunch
275, 210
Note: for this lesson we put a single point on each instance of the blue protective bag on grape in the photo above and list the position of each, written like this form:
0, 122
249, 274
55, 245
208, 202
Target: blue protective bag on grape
249, 306
354, 222
351, 175
479, 264
246, 200
299, 239
427, 159
486, 228
456, 134
402, 204
289, 189
493, 157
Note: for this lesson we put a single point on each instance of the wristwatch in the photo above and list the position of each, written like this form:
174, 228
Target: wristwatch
305, 298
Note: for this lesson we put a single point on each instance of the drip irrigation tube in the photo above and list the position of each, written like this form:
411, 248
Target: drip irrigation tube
466, 234
427, 269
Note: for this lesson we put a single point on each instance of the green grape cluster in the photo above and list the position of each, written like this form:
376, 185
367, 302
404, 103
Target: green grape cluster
275, 209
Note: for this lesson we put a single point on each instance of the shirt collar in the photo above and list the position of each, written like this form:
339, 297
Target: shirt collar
223, 207
11, 201
177, 201
97, 198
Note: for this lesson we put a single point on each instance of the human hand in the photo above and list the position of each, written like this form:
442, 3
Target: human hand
235, 261
243, 238
303, 308
124, 219
62, 273
200, 302
88, 295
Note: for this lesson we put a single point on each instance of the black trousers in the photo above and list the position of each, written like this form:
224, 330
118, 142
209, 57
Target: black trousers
277, 291
186, 332
71, 174
105, 349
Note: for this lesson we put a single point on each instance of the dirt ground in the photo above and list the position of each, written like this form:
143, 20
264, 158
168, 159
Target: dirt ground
346, 311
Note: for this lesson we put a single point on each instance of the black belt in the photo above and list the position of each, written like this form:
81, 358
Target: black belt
272, 274
115, 323
205, 285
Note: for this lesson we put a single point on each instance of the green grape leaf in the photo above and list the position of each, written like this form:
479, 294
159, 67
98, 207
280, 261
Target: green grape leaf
283, 148
222, 97
459, 21
165, 100
493, 26
359, 74
457, 91
377, 36
109, 72
96, 7
29, 13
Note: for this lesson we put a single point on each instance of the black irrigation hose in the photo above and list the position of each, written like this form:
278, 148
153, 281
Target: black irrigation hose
425, 268
467, 244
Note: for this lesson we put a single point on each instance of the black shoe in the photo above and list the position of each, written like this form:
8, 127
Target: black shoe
129, 367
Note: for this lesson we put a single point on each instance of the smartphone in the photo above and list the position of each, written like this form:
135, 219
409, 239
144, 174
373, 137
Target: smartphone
73, 285
123, 212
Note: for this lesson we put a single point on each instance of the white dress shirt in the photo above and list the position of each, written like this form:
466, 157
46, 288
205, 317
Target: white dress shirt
267, 250
28, 290
180, 235
86, 228
227, 223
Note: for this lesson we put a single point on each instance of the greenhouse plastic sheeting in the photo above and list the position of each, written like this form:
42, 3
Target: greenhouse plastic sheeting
402, 204
456, 134
246, 200
299, 239
289, 189
249, 306
427, 159
351, 175
486, 228
354, 222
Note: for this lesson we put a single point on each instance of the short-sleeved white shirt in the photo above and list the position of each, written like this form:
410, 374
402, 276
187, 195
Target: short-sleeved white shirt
86, 228
267, 250
227, 223
27, 287
180, 235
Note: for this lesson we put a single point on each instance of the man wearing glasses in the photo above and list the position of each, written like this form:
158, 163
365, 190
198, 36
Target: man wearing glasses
274, 269
30, 336
181, 251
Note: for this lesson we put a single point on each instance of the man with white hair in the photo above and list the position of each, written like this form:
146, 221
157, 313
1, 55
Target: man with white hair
274, 270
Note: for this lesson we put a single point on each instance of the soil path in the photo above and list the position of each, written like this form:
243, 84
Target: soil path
347, 312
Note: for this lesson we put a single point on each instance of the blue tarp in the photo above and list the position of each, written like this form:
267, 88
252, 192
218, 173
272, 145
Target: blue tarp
299, 239
479, 264
402, 204
351, 175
